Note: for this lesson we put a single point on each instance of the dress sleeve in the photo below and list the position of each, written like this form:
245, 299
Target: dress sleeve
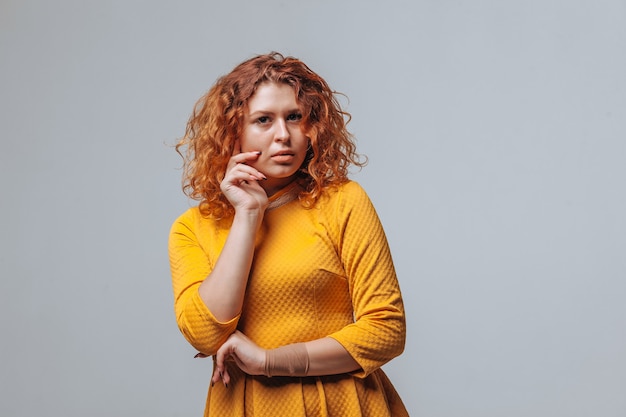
379, 330
190, 265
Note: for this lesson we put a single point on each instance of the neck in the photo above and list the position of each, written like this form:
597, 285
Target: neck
272, 186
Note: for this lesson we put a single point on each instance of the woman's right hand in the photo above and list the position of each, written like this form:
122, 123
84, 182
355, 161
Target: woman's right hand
223, 290
241, 182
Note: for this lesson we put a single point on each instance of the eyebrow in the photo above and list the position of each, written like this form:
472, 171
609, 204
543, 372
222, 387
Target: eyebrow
263, 112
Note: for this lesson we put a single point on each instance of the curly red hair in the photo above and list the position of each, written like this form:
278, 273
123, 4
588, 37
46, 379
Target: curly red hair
217, 120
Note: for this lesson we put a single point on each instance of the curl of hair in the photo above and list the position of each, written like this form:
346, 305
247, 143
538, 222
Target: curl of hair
217, 120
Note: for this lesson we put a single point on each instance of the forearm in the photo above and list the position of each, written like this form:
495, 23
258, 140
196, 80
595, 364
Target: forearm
319, 357
224, 289
327, 357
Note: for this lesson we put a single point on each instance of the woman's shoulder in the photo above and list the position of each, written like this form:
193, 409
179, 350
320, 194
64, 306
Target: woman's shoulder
193, 217
352, 187
348, 193
346, 187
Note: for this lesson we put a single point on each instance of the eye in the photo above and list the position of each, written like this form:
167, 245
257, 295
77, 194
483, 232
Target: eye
263, 119
294, 117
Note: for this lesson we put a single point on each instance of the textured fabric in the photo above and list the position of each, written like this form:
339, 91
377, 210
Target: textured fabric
325, 271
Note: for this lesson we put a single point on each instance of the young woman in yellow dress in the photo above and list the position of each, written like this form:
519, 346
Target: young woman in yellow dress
282, 273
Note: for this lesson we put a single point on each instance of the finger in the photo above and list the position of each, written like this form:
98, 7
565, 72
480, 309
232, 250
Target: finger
220, 357
216, 376
220, 371
225, 377
244, 157
242, 172
245, 178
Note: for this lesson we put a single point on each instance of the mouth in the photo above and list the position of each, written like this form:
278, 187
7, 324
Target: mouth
283, 156
283, 153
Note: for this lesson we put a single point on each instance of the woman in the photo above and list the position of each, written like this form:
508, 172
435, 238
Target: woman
283, 273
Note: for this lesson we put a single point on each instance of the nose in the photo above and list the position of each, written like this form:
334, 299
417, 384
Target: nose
282, 132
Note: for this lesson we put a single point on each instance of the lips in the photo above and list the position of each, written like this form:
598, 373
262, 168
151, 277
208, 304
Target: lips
283, 153
283, 157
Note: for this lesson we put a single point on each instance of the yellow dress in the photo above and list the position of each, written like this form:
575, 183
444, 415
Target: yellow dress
324, 271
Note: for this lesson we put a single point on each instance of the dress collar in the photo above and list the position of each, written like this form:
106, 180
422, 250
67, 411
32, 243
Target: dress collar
284, 196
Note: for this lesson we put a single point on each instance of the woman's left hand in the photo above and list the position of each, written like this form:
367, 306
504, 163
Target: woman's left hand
249, 357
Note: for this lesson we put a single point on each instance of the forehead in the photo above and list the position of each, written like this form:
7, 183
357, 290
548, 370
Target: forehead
273, 95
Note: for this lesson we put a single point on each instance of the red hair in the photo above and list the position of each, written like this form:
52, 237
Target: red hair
217, 120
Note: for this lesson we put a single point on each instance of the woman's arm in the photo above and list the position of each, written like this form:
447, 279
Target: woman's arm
318, 357
328, 357
379, 329
209, 298
224, 289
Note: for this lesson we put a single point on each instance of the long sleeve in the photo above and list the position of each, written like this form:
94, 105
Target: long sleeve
379, 331
190, 264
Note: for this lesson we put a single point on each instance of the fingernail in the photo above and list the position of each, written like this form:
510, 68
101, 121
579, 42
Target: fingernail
197, 355
212, 383
225, 384
258, 152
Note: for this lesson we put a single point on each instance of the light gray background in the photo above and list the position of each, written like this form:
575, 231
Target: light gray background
496, 134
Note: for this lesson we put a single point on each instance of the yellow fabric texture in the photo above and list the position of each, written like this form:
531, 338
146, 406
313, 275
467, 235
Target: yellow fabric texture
324, 271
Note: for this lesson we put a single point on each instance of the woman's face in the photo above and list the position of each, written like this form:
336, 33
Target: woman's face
272, 126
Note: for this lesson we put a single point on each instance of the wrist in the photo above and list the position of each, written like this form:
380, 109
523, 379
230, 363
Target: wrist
253, 217
288, 360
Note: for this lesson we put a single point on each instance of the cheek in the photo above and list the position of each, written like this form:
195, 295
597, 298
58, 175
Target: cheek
252, 140
304, 142
304, 151
246, 141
